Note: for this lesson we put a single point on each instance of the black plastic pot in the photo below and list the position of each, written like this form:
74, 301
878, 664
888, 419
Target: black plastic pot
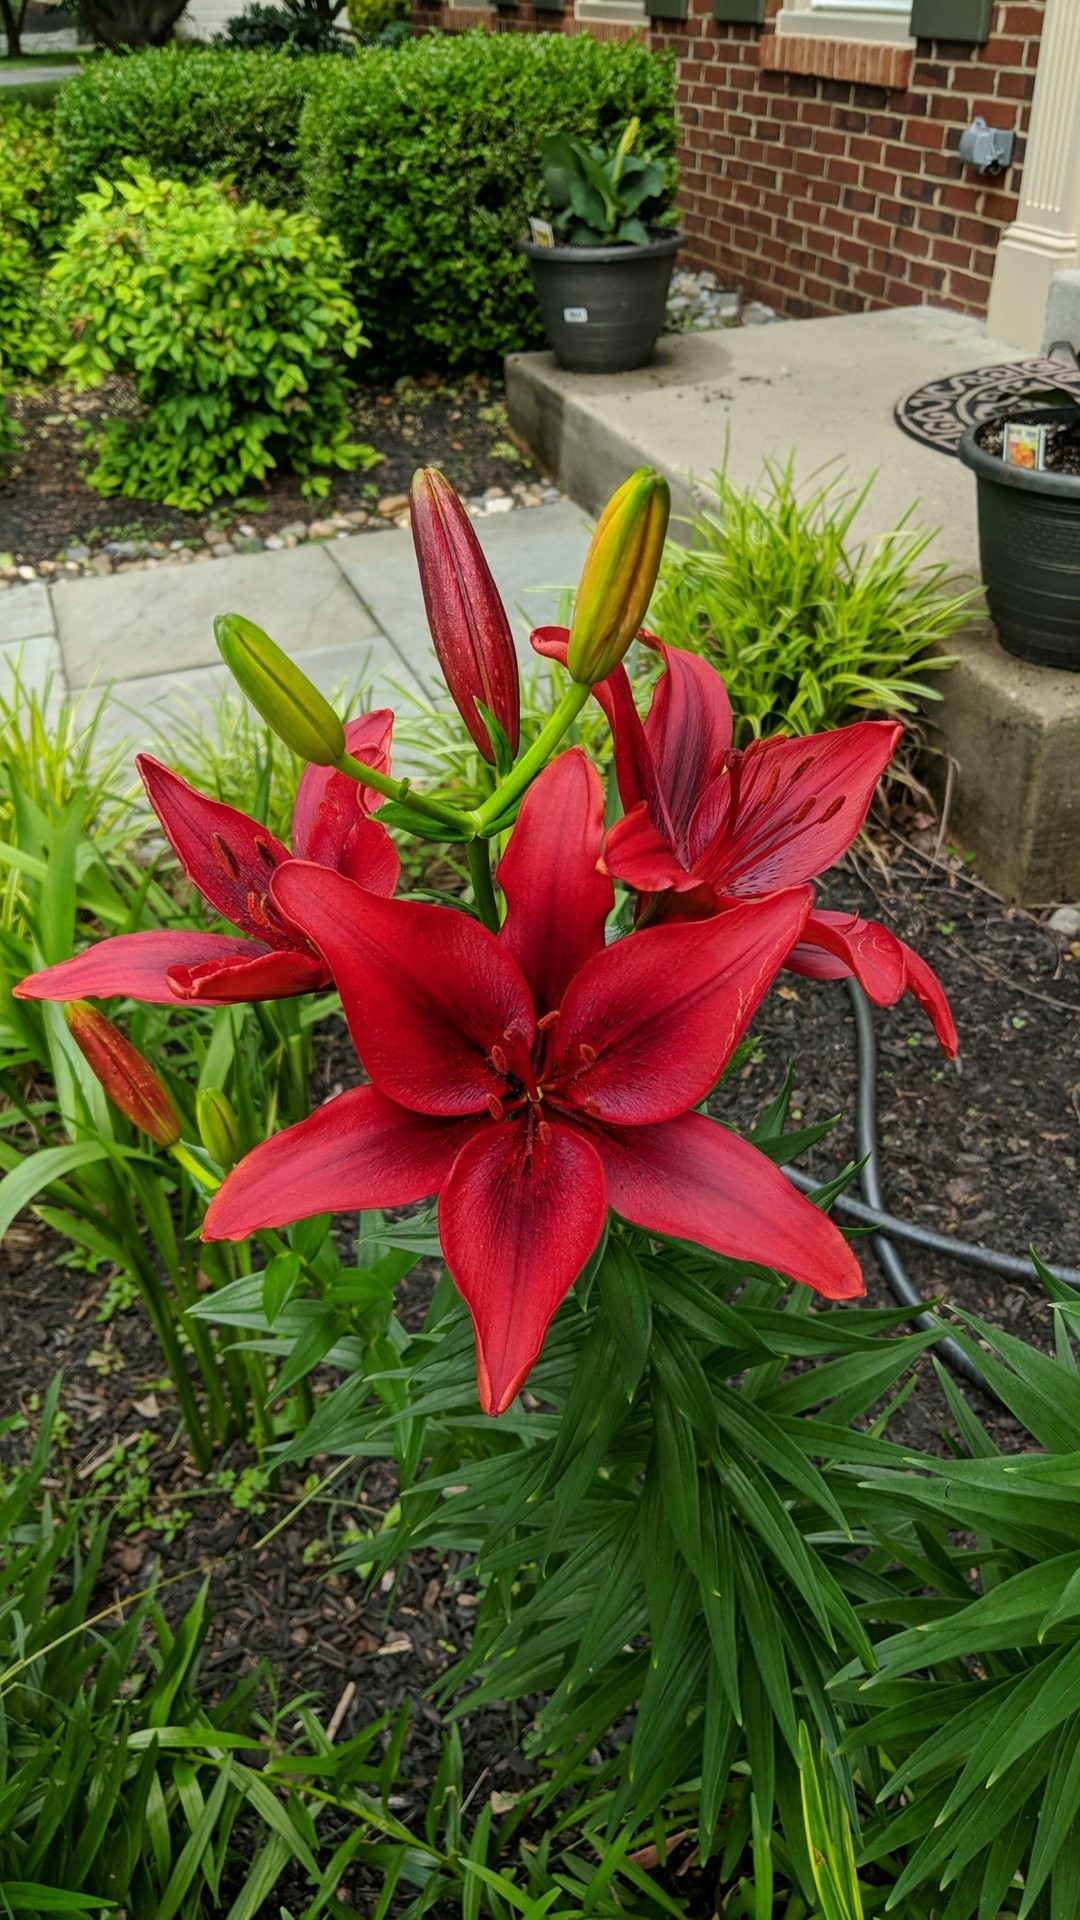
603, 307
1029, 544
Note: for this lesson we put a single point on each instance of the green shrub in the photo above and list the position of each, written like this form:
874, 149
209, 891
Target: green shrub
370, 18
425, 161
192, 113
27, 159
232, 321
281, 30
808, 627
9, 435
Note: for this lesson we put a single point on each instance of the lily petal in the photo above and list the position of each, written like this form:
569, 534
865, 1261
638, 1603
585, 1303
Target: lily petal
359, 1150
427, 992
639, 854
692, 1179
135, 966
787, 809
556, 900
688, 732
635, 774
837, 945
252, 975
328, 804
648, 1025
518, 1218
229, 856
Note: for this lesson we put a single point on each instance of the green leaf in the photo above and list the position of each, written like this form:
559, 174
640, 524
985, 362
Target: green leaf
31, 1896
39, 1170
280, 1280
624, 1291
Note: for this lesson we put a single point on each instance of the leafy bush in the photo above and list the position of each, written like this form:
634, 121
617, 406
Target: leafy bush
602, 201
234, 324
424, 161
9, 434
189, 112
371, 18
27, 160
806, 627
281, 31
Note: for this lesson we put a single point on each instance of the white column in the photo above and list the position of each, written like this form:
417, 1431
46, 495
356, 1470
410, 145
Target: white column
1046, 233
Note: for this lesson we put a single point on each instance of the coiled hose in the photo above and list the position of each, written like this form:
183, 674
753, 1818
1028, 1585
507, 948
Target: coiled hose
870, 1212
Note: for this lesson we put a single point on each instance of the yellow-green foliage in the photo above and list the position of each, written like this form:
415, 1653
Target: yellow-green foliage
369, 17
27, 160
233, 322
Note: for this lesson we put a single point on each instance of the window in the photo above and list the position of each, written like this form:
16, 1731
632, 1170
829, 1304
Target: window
847, 19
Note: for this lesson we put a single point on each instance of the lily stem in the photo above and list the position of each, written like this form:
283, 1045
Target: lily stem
476, 853
533, 761
401, 791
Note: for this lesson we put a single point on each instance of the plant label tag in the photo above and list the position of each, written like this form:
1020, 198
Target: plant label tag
575, 316
1025, 446
542, 231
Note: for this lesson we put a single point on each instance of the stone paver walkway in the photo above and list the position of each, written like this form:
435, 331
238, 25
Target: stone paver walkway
349, 609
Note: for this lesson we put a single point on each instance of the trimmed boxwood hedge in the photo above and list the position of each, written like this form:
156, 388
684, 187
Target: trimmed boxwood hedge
424, 161
192, 113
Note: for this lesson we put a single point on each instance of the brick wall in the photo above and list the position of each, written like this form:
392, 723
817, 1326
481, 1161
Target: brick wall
825, 194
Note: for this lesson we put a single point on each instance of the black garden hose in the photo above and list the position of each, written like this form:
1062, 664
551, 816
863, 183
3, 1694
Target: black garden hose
870, 1212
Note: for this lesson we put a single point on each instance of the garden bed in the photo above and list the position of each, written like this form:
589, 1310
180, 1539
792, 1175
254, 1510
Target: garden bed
984, 1150
46, 507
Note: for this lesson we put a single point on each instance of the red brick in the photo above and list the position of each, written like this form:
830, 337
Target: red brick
844, 173
999, 52
1023, 19
1016, 86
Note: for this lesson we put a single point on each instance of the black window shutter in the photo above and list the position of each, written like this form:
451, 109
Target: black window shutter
745, 13
951, 20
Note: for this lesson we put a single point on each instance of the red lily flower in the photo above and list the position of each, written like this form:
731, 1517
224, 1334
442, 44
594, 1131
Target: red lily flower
706, 825
537, 1078
231, 859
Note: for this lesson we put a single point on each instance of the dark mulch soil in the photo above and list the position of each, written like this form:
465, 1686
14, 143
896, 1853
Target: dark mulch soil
46, 505
986, 1149
1062, 445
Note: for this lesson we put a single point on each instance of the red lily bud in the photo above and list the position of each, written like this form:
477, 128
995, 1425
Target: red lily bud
618, 576
129, 1081
467, 618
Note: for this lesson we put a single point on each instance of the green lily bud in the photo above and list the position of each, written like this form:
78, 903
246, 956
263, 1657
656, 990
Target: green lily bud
219, 1129
618, 576
279, 691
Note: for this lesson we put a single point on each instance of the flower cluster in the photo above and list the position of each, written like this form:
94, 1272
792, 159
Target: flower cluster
533, 1071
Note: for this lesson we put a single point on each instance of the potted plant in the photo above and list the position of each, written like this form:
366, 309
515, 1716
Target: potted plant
1029, 528
602, 291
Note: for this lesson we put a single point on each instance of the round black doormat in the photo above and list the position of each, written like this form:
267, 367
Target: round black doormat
939, 412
